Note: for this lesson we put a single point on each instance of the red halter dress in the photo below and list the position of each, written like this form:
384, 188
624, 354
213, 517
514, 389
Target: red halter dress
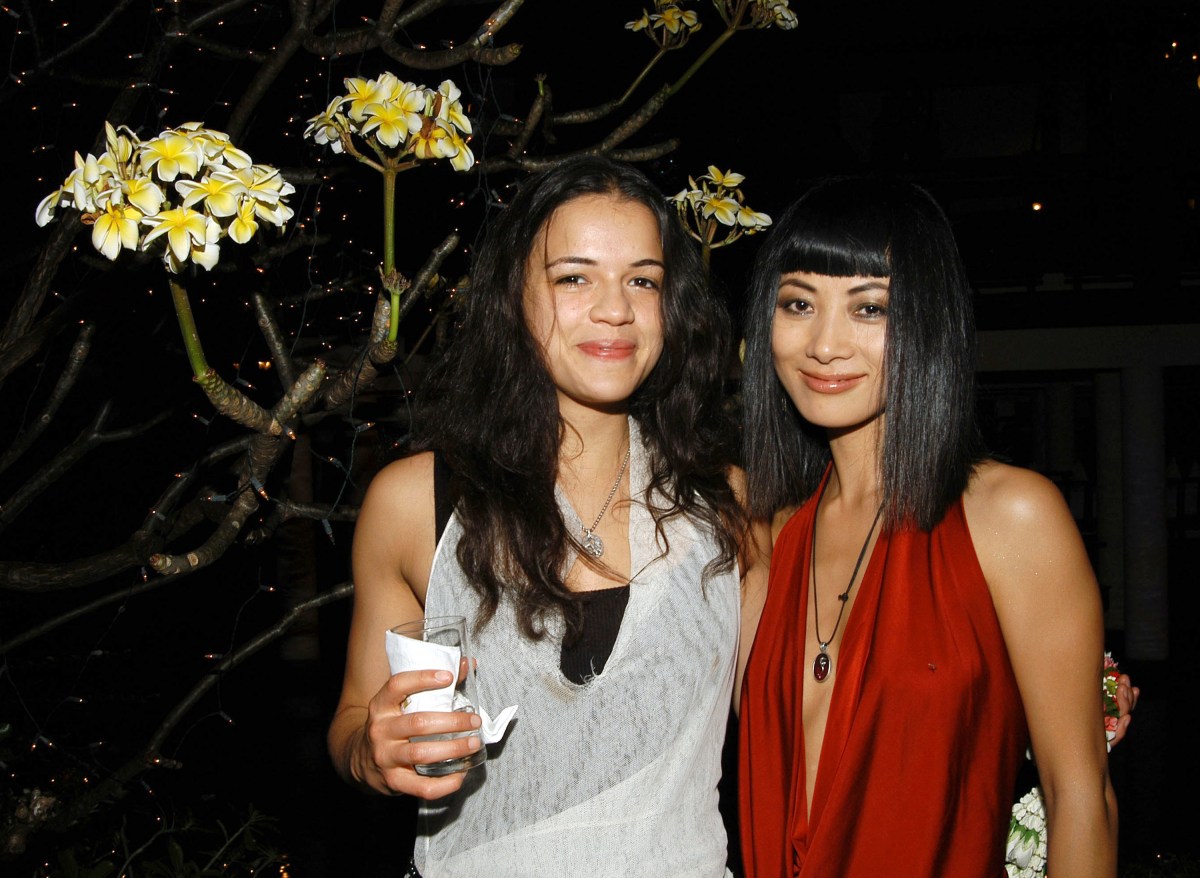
925, 731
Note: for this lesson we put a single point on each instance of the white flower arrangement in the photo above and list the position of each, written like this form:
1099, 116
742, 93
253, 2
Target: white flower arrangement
1025, 852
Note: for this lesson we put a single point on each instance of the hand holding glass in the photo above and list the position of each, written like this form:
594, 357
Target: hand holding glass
438, 643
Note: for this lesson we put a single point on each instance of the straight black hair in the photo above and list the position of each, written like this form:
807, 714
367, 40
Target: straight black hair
874, 228
492, 410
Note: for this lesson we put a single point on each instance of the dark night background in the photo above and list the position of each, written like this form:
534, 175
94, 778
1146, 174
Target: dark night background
1089, 110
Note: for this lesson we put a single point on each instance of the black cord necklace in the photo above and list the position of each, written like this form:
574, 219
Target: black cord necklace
823, 664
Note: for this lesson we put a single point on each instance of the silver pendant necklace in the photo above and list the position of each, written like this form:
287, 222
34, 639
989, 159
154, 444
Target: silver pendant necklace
592, 543
823, 663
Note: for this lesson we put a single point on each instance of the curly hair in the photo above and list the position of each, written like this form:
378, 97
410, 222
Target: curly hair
491, 409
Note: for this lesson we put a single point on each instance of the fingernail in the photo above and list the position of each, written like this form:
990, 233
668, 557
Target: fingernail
473, 743
443, 676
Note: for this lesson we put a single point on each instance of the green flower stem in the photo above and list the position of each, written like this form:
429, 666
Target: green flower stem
641, 76
389, 250
187, 326
699, 62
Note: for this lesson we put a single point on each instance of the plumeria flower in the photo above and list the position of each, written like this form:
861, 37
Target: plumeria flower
673, 18
266, 187
245, 223
639, 23
327, 127
144, 194
450, 109
116, 229
47, 206
121, 142
432, 141
462, 158
361, 93
184, 228
171, 154
389, 123
687, 196
751, 220
724, 208
728, 179
220, 191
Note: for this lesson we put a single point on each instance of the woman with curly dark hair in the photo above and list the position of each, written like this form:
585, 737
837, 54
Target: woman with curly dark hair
593, 548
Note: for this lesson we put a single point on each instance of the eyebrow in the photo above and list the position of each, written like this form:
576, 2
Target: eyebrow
864, 287
583, 260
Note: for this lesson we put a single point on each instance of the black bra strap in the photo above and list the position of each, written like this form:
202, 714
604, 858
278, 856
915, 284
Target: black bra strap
443, 498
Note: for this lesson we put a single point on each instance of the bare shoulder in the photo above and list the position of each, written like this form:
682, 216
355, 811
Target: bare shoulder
396, 526
1021, 526
1002, 499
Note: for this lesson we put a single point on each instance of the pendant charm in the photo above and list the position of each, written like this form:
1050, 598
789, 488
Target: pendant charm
821, 666
593, 544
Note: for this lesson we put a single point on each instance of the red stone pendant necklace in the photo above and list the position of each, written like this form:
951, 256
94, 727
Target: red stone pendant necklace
823, 664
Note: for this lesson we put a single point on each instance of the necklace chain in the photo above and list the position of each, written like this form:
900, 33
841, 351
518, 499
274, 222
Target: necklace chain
823, 664
592, 543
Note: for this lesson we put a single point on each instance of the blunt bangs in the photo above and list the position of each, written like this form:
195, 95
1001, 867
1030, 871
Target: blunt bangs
839, 229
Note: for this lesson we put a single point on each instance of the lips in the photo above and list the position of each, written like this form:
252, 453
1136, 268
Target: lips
831, 383
608, 349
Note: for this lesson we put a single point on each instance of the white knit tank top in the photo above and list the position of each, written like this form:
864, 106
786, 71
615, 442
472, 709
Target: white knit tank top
616, 778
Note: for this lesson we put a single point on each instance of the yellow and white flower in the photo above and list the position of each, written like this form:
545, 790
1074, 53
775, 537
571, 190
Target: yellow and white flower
672, 18
184, 228
115, 229
639, 23
402, 120
449, 108
327, 127
218, 192
171, 154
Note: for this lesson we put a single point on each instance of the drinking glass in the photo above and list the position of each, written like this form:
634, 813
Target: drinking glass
440, 642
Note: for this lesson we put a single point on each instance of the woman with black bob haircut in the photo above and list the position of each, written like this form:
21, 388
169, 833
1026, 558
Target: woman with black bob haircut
869, 228
930, 612
576, 430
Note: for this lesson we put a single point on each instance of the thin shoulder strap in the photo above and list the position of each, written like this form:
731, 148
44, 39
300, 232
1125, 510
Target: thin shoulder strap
443, 498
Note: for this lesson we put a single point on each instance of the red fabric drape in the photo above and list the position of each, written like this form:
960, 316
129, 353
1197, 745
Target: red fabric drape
925, 731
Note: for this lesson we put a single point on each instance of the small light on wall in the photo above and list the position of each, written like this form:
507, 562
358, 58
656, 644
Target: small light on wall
1037, 205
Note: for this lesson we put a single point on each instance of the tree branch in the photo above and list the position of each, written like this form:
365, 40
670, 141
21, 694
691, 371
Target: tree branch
75, 360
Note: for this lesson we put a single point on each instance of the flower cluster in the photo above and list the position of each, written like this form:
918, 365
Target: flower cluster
397, 119
1108, 684
715, 201
669, 25
763, 13
189, 185
1025, 853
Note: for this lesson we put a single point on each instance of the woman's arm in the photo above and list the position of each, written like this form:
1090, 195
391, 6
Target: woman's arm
1048, 604
392, 556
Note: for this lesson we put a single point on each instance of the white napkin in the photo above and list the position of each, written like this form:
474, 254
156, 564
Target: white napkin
407, 654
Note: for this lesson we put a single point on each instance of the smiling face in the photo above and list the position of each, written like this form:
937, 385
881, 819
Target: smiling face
593, 285
827, 342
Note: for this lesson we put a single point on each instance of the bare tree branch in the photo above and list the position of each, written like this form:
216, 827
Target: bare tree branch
114, 787
91, 437
79, 353
274, 338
